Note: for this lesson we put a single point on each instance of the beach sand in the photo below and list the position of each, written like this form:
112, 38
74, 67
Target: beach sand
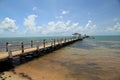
70, 63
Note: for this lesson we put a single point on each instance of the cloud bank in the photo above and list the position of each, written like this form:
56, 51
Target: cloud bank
8, 25
53, 28
115, 28
65, 12
57, 27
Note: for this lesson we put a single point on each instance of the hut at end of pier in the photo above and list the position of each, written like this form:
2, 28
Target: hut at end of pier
77, 35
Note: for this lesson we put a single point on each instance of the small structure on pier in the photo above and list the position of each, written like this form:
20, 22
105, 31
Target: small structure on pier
77, 35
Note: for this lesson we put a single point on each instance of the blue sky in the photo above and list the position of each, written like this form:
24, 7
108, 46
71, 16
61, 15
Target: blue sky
59, 17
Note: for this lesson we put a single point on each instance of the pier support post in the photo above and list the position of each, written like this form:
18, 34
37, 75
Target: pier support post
6, 46
10, 57
22, 47
9, 51
22, 51
31, 43
44, 43
37, 45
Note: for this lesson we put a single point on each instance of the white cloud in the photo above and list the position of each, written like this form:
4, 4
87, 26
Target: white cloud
30, 24
8, 25
30, 21
51, 28
116, 19
34, 8
62, 14
115, 28
90, 25
65, 12
56, 27
59, 17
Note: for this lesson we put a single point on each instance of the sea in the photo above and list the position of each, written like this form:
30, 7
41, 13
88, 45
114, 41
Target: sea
104, 41
96, 58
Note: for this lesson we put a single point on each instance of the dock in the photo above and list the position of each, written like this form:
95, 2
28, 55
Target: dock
36, 48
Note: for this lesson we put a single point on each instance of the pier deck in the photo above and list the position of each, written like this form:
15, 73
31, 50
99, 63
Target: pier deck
10, 54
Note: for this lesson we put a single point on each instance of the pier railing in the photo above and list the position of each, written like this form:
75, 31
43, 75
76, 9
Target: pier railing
22, 48
34, 43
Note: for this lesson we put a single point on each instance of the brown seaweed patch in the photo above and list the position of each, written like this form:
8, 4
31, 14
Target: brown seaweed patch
25, 76
83, 70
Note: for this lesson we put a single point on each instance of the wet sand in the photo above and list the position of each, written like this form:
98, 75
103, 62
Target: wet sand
71, 63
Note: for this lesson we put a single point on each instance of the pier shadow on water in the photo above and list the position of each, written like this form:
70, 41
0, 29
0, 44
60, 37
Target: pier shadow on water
5, 66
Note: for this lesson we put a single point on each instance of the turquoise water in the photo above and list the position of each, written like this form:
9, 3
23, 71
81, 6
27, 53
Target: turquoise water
107, 38
111, 42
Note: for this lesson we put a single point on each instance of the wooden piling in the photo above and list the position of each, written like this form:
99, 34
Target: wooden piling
22, 47
37, 45
31, 43
6, 46
10, 57
44, 43
9, 51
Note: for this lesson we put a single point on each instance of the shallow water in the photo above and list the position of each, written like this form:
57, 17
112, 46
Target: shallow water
83, 60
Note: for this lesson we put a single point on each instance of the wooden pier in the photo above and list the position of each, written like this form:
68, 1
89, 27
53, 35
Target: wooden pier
37, 49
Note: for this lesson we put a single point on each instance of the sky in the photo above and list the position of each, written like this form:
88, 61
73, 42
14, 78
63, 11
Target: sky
20, 18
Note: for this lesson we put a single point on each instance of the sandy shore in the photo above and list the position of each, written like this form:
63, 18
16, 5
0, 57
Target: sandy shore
70, 63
